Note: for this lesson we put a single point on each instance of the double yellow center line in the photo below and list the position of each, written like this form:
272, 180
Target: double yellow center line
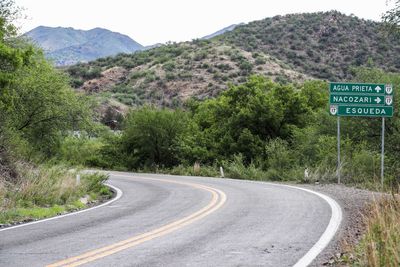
217, 200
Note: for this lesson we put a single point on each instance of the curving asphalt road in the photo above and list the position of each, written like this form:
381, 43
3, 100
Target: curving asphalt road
181, 221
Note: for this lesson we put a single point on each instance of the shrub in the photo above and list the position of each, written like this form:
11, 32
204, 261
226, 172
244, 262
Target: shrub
169, 66
203, 170
364, 166
280, 160
260, 61
79, 150
150, 136
236, 169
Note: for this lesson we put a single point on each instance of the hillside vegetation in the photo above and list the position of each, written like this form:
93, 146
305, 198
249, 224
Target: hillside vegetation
37, 110
323, 45
170, 74
256, 130
286, 49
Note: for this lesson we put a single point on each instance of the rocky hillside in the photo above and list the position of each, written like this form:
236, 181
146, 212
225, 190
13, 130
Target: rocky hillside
288, 48
173, 73
67, 46
324, 45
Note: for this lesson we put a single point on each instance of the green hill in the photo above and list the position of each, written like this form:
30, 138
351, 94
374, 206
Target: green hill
324, 45
288, 48
171, 73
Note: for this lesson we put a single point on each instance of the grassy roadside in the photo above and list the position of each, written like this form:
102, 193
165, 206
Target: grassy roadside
380, 244
48, 191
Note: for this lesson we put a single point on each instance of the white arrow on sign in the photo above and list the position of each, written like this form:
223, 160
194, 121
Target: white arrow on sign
378, 89
377, 100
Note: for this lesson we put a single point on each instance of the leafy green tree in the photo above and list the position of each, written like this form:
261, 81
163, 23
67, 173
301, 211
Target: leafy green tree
150, 136
37, 106
316, 94
12, 56
193, 146
11, 59
41, 106
280, 158
244, 117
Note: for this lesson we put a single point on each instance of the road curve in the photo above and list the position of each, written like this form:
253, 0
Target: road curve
165, 220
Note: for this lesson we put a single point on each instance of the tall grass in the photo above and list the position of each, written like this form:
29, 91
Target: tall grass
41, 192
3, 192
196, 170
381, 243
237, 169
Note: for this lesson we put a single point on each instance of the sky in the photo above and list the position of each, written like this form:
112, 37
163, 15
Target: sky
158, 21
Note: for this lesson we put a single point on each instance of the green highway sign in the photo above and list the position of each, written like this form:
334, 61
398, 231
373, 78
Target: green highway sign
361, 88
365, 111
361, 99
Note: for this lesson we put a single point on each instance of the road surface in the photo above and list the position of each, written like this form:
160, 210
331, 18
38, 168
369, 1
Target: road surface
181, 221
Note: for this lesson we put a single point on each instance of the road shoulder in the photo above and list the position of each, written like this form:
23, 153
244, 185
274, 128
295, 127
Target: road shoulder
354, 203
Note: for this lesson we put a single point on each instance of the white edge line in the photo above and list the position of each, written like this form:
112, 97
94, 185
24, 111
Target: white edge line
119, 195
330, 231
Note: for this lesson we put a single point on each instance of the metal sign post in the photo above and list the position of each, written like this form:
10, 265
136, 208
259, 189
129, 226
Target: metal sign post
383, 151
338, 150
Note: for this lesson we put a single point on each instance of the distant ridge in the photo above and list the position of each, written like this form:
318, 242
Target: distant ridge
222, 31
68, 46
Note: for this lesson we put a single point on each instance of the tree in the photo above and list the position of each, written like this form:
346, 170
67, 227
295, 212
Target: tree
391, 20
151, 135
244, 117
11, 56
36, 104
9, 12
11, 59
41, 106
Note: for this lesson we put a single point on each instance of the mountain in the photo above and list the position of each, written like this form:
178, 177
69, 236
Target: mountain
325, 45
291, 48
222, 31
67, 46
170, 74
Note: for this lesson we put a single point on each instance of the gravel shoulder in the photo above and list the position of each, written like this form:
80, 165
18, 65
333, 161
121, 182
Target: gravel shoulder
354, 203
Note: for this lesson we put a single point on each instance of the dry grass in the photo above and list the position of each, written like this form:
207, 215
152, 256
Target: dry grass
2, 193
46, 186
196, 168
381, 243
42, 192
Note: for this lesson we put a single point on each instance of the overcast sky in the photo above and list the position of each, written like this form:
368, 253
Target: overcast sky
158, 21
